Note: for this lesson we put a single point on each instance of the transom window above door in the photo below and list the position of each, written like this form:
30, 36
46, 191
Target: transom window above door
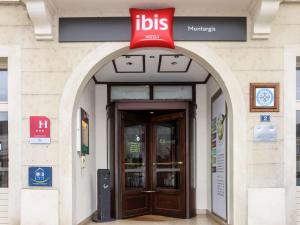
3, 80
298, 84
151, 92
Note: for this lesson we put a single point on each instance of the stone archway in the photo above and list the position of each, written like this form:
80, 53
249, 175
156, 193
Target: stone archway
200, 54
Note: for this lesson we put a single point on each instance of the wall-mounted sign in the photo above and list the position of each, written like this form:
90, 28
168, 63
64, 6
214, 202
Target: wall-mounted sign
152, 28
84, 132
264, 97
219, 155
265, 118
39, 130
97, 29
40, 176
265, 133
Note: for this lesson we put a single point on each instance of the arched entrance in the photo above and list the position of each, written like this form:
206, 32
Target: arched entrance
200, 54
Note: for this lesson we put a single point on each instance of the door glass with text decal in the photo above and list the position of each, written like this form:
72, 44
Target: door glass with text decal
135, 156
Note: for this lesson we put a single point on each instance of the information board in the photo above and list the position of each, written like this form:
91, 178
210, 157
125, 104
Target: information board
219, 155
84, 132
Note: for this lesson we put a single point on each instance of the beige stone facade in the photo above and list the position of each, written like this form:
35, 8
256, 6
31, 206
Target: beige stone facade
45, 67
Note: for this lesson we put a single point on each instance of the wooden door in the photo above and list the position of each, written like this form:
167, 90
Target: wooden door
134, 162
168, 165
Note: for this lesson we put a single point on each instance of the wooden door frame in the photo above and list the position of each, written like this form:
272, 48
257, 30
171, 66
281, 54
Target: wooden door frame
147, 105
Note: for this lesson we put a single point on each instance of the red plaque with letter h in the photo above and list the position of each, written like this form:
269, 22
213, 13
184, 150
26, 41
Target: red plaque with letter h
39, 130
152, 28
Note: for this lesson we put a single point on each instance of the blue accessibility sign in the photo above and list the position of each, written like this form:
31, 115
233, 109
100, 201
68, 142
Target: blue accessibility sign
40, 176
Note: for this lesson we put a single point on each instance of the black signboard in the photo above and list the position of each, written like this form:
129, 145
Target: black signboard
100, 29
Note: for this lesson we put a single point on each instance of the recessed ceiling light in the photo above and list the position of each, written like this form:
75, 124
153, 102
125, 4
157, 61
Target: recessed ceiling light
174, 63
129, 63
151, 112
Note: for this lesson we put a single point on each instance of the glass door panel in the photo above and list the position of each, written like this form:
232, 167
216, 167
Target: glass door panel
168, 164
135, 157
167, 155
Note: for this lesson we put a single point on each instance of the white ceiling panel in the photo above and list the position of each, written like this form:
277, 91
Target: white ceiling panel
182, 8
174, 63
129, 64
152, 65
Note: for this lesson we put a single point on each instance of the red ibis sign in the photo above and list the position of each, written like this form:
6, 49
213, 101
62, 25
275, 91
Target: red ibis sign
39, 130
152, 28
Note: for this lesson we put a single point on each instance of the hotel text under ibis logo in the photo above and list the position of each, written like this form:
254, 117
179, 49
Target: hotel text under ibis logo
152, 28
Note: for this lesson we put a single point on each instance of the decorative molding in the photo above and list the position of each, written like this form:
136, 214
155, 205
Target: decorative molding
149, 83
263, 13
41, 13
291, 1
10, 1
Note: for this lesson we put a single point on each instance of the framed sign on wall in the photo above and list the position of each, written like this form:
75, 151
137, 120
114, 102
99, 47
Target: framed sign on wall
264, 97
219, 155
40, 176
39, 130
84, 123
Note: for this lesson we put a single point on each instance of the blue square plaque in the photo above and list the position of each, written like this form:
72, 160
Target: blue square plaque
40, 176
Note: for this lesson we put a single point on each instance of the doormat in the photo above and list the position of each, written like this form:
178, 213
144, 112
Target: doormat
153, 218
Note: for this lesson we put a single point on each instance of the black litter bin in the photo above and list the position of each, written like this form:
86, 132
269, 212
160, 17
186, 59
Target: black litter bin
103, 196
